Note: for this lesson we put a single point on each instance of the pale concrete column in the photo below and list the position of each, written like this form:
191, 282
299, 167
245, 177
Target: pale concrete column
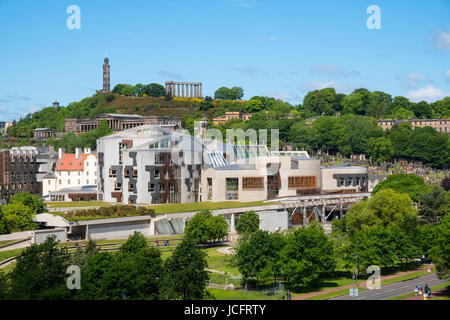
197, 91
304, 214
323, 211
201, 93
192, 89
178, 88
232, 226
182, 89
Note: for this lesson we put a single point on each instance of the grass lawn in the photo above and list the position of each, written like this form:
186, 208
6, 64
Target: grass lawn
159, 238
78, 204
8, 241
9, 267
10, 253
218, 278
205, 205
241, 295
333, 294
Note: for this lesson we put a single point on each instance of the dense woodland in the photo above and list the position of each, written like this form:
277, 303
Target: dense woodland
326, 121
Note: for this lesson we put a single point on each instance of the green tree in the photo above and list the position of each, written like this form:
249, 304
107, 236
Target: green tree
435, 204
225, 93
184, 275
217, 228
402, 113
134, 244
39, 270
204, 227
302, 136
197, 227
18, 217
398, 134
429, 146
411, 184
380, 105
422, 110
35, 203
248, 223
154, 90
321, 101
307, 254
440, 252
259, 251
380, 149
353, 103
133, 275
4, 287
386, 208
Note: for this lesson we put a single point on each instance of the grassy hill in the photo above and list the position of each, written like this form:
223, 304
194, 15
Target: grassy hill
91, 107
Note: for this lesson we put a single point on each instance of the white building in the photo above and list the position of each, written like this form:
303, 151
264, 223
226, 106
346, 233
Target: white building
73, 170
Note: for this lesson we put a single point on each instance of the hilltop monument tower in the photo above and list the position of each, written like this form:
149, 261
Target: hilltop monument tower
106, 76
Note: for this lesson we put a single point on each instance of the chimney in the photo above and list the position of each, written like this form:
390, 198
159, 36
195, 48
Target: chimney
60, 153
77, 152
87, 150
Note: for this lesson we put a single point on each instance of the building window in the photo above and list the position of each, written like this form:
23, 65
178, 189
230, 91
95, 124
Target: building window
48, 181
87, 173
112, 173
302, 182
250, 183
232, 189
87, 164
68, 181
79, 173
151, 187
156, 174
87, 181
59, 181
79, 182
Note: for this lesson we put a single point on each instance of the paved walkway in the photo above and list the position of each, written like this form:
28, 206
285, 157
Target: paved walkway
360, 285
17, 246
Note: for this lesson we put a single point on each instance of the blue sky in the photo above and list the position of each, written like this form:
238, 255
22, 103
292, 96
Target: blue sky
279, 48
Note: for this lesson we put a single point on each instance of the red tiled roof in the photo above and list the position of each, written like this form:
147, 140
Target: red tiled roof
69, 163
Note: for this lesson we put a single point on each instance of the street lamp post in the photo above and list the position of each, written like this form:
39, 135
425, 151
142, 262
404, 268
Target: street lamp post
355, 278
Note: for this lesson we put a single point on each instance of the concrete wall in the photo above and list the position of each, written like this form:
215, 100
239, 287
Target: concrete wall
309, 167
329, 181
41, 235
16, 235
273, 220
121, 230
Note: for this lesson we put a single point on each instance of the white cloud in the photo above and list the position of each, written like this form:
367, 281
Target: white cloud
447, 74
339, 87
429, 94
282, 95
332, 71
413, 80
4, 108
442, 40
32, 109
251, 71
170, 75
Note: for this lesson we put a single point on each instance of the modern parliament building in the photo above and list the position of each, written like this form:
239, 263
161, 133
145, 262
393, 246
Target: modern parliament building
153, 164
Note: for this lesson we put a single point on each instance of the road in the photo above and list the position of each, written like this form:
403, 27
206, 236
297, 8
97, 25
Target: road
395, 289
